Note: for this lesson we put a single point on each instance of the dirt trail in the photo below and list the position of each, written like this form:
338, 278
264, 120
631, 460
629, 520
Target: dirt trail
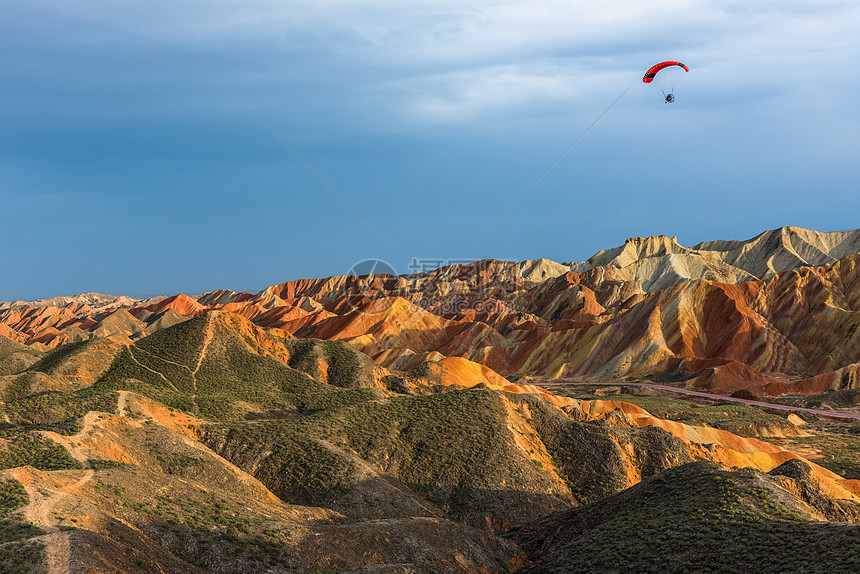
180, 365
42, 502
122, 403
207, 340
72, 443
154, 372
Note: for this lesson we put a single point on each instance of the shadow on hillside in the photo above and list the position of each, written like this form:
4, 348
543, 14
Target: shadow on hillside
383, 498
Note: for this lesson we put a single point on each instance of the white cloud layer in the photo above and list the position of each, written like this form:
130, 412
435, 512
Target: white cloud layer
459, 61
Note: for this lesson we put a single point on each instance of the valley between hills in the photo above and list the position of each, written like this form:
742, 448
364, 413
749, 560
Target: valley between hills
482, 418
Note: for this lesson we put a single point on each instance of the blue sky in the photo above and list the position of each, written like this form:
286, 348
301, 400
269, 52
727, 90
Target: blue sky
127, 166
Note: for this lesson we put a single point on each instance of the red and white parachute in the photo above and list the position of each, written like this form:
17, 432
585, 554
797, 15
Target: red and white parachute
665, 76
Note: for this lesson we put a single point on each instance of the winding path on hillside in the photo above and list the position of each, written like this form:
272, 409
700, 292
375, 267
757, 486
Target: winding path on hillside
763, 404
207, 340
153, 371
38, 511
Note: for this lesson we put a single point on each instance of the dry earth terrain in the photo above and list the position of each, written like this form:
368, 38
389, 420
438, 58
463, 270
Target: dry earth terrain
430, 422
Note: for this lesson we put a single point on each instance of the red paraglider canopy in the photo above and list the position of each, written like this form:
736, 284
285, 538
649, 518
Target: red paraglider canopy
652, 71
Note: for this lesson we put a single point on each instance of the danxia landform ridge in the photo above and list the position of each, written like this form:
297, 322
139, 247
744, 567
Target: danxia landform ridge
495, 416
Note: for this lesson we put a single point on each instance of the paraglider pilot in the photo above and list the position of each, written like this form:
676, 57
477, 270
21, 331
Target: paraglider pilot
664, 76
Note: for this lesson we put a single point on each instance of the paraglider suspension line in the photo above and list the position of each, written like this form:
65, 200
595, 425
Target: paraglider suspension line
551, 165
307, 164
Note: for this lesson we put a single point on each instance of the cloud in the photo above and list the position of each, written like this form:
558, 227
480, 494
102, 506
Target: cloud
462, 61
476, 94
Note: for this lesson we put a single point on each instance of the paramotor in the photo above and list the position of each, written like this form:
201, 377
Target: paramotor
665, 76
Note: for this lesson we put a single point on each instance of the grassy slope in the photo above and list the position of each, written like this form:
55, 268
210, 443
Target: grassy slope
593, 456
229, 372
179, 508
459, 450
18, 553
454, 449
694, 518
31, 449
59, 412
55, 357
838, 446
15, 357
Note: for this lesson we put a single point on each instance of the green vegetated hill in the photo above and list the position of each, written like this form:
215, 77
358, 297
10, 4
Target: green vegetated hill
223, 367
701, 518
54, 359
213, 445
15, 357
449, 454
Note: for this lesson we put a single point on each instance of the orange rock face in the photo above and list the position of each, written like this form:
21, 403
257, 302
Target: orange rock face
789, 332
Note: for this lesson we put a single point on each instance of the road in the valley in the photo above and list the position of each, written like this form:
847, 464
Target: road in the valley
823, 413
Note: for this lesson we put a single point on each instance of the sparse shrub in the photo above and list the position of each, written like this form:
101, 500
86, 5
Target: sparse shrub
52, 360
12, 497
33, 450
343, 365
19, 387
101, 464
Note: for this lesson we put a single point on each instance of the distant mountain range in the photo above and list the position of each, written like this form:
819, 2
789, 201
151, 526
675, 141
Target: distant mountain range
91, 300
659, 262
654, 262
776, 314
